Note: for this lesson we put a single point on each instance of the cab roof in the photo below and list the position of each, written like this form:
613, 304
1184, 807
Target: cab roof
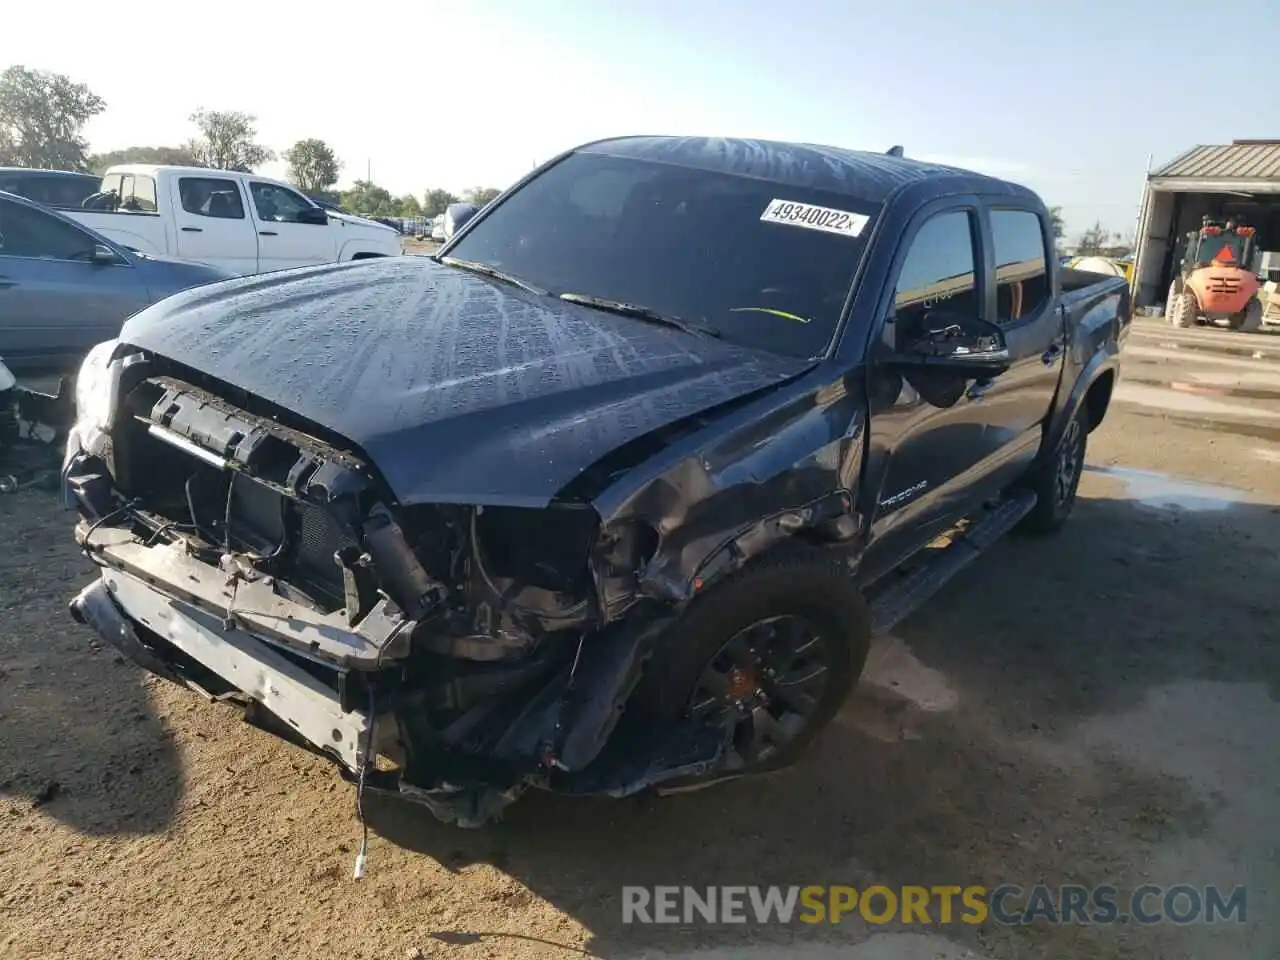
873, 177
154, 169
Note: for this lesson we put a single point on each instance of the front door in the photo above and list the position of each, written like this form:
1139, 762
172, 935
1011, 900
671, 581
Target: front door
931, 453
212, 226
284, 238
56, 301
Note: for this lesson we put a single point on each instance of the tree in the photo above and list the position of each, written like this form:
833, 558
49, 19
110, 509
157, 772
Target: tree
1055, 218
41, 116
480, 195
168, 156
1098, 241
226, 141
408, 206
368, 198
1119, 246
332, 196
1093, 241
435, 202
312, 165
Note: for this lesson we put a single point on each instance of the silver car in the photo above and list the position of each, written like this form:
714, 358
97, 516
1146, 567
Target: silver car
64, 287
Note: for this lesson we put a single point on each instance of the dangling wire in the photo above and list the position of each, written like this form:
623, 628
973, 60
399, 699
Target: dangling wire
362, 856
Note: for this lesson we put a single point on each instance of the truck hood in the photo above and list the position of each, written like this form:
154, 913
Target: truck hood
457, 388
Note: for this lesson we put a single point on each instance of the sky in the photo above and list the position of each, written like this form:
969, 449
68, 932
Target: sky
1071, 99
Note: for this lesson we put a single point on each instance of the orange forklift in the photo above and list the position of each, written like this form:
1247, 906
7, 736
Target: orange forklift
1215, 279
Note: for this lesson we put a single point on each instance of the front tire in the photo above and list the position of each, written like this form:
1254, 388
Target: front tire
1056, 479
769, 654
1183, 310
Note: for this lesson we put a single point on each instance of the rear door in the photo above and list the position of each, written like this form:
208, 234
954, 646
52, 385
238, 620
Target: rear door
1018, 401
212, 224
55, 302
283, 239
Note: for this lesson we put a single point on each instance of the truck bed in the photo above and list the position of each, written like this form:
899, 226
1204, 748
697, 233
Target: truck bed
144, 232
1070, 279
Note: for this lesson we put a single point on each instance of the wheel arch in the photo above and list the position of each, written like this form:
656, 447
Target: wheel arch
1097, 398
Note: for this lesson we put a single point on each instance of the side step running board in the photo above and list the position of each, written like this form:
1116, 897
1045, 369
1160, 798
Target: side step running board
897, 601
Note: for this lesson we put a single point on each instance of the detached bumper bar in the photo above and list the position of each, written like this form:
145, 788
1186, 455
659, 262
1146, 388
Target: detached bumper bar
94, 607
118, 604
381, 637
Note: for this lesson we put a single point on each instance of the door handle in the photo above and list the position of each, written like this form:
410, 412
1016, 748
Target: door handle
1050, 356
267, 233
193, 229
978, 389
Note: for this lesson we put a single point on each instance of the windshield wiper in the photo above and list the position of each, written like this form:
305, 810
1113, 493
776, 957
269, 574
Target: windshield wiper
475, 266
640, 313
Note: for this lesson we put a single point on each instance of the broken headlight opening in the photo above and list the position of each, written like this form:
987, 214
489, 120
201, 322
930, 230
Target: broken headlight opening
457, 654
96, 384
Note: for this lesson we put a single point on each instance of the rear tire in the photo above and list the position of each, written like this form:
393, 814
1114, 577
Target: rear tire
1056, 479
740, 656
1183, 310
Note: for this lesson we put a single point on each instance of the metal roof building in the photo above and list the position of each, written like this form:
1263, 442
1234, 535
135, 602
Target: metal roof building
1241, 178
1241, 164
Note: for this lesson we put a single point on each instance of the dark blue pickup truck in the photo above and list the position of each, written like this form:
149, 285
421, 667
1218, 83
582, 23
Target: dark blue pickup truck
603, 496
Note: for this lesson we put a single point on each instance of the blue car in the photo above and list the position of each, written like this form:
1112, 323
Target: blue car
64, 287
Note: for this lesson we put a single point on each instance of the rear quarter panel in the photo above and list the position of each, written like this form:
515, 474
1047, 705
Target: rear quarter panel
1097, 321
354, 246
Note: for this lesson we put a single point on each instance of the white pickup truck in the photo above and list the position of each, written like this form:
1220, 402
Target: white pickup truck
239, 222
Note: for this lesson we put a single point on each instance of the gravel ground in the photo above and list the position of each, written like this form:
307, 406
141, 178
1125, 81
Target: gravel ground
1100, 707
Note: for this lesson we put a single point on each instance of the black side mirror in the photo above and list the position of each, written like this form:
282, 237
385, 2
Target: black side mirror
312, 215
961, 346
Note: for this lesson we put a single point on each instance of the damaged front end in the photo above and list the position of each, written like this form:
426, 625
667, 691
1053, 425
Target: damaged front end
455, 654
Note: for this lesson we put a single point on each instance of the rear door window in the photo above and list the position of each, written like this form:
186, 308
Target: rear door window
1022, 276
214, 197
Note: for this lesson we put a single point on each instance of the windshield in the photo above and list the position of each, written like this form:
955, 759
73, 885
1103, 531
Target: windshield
763, 265
1211, 247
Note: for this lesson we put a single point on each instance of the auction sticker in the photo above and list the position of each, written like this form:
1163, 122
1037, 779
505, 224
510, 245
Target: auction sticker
811, 217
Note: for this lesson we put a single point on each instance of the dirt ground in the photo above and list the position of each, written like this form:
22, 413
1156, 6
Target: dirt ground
1100, 707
